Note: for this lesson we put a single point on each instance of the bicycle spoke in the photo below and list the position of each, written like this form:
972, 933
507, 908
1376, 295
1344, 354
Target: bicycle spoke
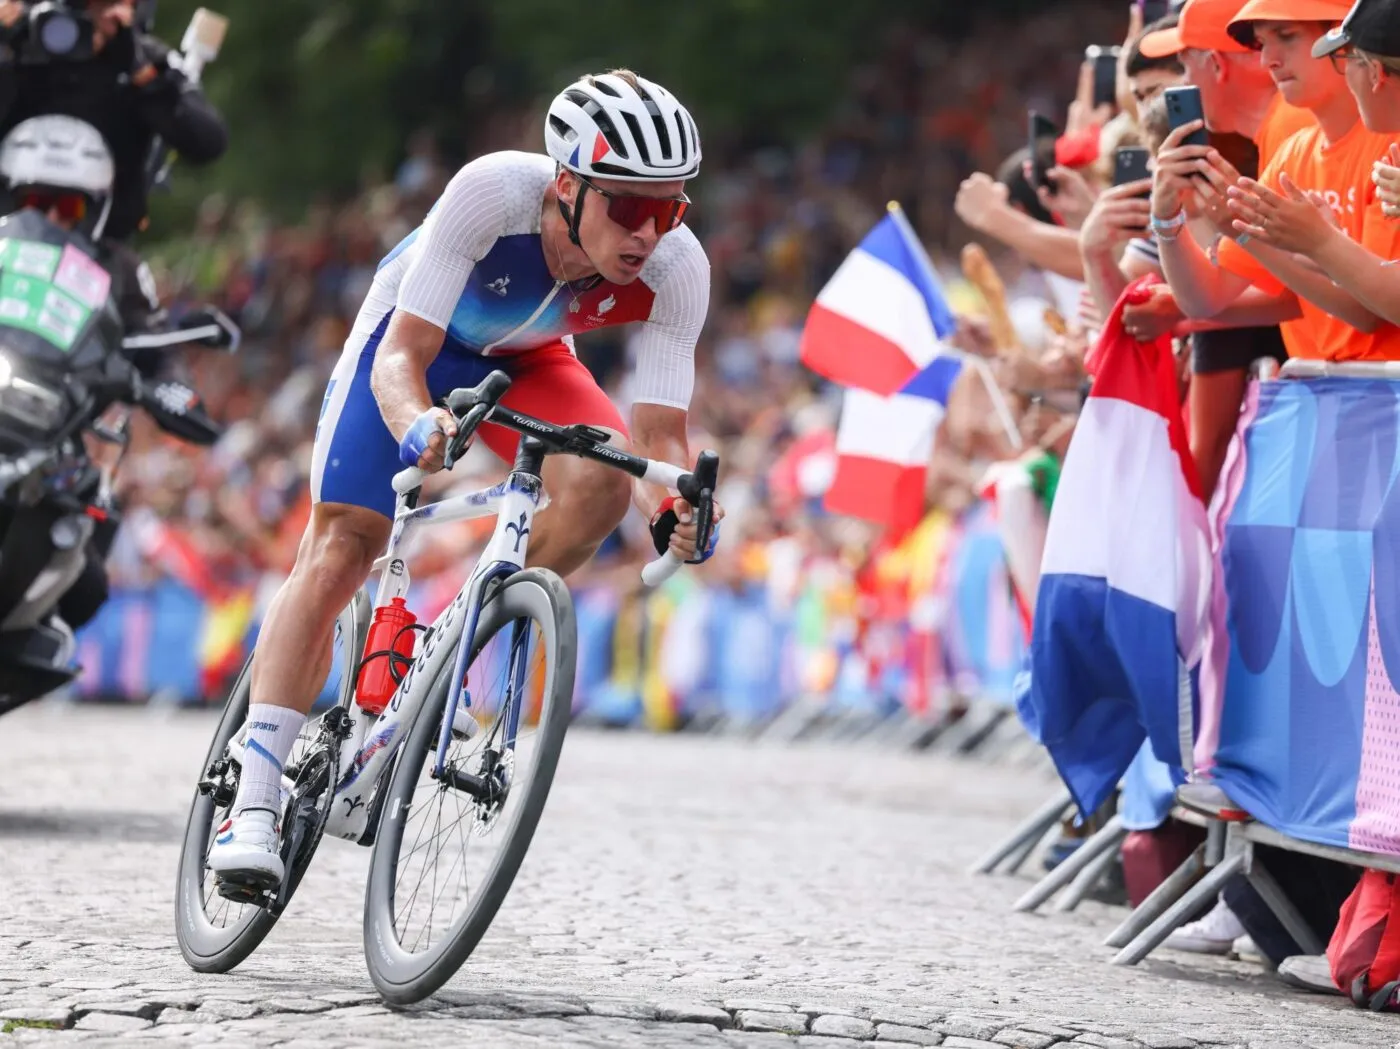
431, 890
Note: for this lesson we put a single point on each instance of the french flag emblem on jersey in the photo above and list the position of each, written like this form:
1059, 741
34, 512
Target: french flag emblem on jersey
882, 318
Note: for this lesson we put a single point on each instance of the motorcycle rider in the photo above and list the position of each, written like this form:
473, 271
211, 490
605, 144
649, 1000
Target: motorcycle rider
124, 84
61, 166
121, 80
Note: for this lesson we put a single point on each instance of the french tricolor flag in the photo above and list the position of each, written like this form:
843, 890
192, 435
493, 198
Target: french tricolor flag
882, 317
883, 447
1124, 591
877, 328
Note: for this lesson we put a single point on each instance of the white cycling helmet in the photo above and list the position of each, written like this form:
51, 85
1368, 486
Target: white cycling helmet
61, 153
621, 126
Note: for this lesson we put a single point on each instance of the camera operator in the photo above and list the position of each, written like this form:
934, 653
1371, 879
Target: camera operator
95, 60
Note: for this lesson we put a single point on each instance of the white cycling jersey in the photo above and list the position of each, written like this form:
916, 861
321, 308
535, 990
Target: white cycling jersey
476, 268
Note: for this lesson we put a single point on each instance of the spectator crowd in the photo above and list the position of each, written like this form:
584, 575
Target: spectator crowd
1261, 234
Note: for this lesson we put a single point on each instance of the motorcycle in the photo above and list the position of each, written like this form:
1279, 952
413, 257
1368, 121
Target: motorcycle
67, 385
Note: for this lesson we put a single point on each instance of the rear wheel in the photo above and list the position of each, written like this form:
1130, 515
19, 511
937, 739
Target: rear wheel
216, 933
448, 849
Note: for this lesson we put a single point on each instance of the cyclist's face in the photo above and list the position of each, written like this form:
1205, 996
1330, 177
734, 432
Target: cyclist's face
619, 253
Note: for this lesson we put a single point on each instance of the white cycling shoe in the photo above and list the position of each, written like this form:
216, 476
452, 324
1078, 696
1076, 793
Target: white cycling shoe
246, 849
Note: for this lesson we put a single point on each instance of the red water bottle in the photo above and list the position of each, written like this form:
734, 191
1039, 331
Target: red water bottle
376, 684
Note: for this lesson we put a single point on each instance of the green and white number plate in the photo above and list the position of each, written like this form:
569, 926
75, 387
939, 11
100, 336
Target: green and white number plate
48, 290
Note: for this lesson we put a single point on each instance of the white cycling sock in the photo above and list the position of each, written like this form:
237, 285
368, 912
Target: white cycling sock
271, 733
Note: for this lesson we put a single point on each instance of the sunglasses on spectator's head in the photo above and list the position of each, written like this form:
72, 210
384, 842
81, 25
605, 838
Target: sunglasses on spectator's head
632, 212
71, 207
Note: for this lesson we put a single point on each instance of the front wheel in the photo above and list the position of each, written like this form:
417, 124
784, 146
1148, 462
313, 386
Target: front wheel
430, 897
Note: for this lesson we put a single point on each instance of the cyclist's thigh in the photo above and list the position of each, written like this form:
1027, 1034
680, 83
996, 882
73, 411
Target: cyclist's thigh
355, 456
551, 384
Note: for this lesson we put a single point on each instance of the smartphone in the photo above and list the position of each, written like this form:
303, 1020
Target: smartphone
1152, 10
1184, 106
1038, 129
1105, 61
1130, 165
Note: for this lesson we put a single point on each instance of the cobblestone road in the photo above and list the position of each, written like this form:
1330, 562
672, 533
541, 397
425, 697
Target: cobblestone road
686, 892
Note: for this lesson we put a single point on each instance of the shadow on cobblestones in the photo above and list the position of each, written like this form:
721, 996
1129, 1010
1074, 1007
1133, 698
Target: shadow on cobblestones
120, 826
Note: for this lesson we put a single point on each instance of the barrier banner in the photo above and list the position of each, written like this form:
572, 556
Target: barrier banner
922, 624
1309, 732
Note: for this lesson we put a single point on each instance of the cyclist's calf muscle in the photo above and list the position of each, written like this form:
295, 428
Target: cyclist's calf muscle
293, 653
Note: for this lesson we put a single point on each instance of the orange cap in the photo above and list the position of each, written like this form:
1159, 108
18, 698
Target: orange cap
1242, 25
1201, 27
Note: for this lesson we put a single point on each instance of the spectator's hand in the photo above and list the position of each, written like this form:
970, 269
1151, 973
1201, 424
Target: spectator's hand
974, 335
1119, 214
1126, 101
1083, 114
1072, 198
1087, 316
1386, 176
1158, 316
11, 11
1212, 192
1295, 221
1172, 180
980, 198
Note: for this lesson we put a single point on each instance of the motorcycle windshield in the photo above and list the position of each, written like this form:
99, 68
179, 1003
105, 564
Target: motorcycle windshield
53, 293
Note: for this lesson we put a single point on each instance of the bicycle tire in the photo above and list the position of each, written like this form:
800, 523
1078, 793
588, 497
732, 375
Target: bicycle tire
204, 948
403, 977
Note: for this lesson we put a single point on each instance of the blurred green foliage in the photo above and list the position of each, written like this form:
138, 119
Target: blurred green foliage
322, 95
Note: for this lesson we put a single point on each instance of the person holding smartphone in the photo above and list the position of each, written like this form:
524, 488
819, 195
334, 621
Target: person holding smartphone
1333, 159
1115, 244
1365, 49
1239, 94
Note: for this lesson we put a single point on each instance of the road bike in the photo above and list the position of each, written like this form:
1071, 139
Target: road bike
463, 753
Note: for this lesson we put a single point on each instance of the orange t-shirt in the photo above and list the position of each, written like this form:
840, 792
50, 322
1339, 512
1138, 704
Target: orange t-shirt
1342, 173
1280, 123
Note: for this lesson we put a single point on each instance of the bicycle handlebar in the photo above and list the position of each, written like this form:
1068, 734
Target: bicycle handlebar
473, 405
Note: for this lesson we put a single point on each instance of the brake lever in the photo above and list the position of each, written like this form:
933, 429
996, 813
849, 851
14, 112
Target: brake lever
466, 429
698, 489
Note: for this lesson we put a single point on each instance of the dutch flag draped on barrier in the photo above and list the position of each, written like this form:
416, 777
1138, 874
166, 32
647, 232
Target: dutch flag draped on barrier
877, 328
1125, 581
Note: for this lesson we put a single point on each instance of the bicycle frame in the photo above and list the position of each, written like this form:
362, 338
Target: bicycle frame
371, 747
368, 752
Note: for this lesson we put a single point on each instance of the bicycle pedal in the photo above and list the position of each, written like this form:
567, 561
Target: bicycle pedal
244, 892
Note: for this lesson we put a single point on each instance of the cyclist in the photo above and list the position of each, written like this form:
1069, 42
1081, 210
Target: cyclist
520, 252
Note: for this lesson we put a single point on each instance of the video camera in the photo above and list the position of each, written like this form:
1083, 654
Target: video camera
63, 30
57, 31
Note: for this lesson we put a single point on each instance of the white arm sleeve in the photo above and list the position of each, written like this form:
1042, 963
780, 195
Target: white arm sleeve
458, 232
666, 342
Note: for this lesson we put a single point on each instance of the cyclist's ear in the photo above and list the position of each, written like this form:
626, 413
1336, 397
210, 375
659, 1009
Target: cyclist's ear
566, 186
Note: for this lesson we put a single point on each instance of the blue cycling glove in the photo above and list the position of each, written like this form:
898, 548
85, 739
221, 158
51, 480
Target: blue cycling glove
415, 442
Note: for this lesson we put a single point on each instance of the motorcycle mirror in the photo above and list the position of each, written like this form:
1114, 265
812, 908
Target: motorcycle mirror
176, 410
